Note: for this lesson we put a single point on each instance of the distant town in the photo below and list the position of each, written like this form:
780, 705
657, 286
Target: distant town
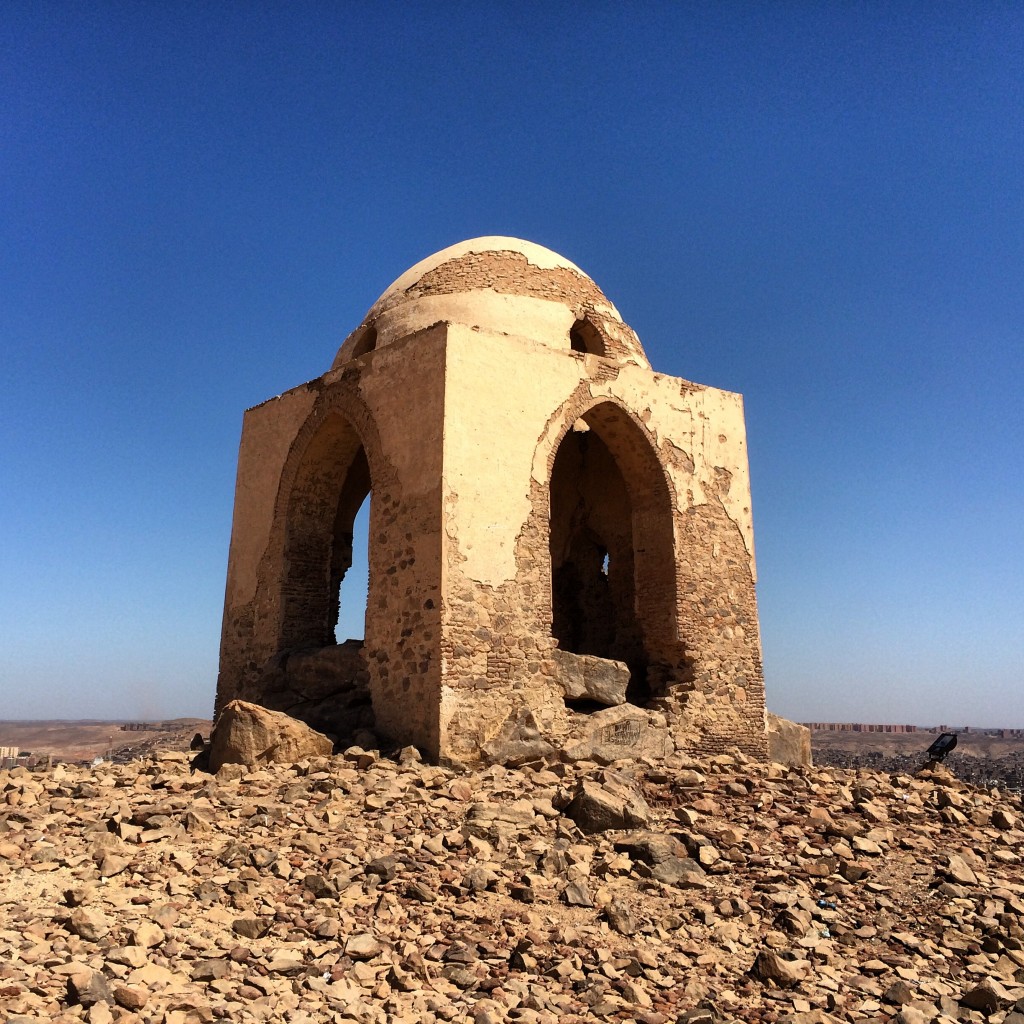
984, 757
971, 730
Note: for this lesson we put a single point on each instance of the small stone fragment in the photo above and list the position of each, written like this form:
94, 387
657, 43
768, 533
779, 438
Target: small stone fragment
210, 969
598, 807
130, 998
621, 918
988, 997
363, 947
770, 967
576, 894
148, 935
89, 987
957, 870
250, 927
88, 924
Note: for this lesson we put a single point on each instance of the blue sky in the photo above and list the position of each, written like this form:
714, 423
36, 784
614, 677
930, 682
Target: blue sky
819, 206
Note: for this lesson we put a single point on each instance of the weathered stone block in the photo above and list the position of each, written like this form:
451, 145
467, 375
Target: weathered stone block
788, 742
249, 734
518, 741
586, 677
621, 733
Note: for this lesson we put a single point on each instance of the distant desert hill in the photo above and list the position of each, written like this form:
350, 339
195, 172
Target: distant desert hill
85, 739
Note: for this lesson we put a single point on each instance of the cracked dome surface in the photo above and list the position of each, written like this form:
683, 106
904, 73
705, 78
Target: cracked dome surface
503, 285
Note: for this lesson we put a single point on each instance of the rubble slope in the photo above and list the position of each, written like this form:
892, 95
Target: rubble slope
372, 889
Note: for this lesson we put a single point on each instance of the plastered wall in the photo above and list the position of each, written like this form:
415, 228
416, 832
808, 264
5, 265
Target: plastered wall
292, 466
498, 451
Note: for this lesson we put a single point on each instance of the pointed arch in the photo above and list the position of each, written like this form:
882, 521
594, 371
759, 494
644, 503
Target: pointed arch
612, 542
330, 484
328, 476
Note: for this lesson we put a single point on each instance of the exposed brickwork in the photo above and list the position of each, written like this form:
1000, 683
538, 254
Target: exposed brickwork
511, 273
698, 609
295, 605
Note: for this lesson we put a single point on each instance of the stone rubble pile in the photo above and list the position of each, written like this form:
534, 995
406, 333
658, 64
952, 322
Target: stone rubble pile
378, 890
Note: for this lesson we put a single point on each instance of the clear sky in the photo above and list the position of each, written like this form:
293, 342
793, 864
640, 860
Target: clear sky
818, 205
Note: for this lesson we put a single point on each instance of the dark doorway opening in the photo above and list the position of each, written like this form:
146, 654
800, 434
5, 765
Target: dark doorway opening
613, 551
593, 599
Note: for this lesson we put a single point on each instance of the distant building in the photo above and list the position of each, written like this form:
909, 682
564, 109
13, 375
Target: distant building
1006, 734
857, 727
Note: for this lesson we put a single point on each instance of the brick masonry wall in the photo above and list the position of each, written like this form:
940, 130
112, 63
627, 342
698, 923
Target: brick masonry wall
288, 610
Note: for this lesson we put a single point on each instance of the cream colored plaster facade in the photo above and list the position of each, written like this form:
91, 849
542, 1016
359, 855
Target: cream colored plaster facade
544, 507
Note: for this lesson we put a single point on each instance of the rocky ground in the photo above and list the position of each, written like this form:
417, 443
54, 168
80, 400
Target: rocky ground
361, 888
1006, 771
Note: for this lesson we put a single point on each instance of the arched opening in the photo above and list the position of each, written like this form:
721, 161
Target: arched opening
366, 341
319, 673
331, 486
354, 582
611, 547
350, 571
593, 590
585, 337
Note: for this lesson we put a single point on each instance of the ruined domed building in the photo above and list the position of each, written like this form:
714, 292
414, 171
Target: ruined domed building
560, 543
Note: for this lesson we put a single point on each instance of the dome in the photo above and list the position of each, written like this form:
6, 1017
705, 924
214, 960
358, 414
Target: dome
501, 285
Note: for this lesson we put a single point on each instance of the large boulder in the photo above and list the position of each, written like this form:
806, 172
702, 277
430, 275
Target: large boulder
587, 677
249, 734
788, 742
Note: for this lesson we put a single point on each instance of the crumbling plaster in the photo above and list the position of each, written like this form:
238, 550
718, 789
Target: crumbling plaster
487, 515
705, 458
